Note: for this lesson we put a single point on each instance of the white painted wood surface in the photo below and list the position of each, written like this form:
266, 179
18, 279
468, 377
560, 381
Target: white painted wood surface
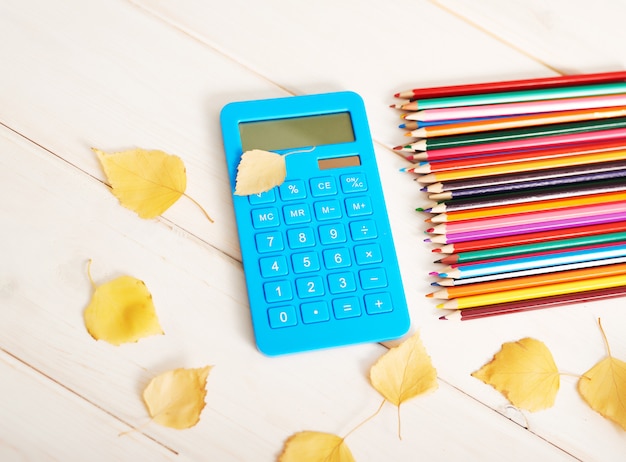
117, 74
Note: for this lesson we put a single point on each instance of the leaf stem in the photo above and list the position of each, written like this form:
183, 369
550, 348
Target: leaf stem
199, 206
93, 284
366, 420
606, 342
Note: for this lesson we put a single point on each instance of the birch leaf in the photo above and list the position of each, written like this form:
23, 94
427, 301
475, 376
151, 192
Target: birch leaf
121, 311
310, 446
176, 398
603, 387
525, 373
404, 372
259, 171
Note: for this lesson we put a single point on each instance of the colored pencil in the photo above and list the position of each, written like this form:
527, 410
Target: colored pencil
469, 270
415, 124
508, 251
509, 85
472, 126
534, 292
522, 166
549, 177
524, 133
533, 206
448, 293
528, 228
538, 238
470, 202
575, 91
436, 165
512, 109
449, 282
535, 304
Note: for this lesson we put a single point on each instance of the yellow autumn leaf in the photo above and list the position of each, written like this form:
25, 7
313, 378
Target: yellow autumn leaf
121, 311
176, 398
603, 387
310, 446
525, 373
146, 181
404, 372
259, 171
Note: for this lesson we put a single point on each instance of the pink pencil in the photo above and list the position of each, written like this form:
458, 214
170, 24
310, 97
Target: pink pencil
541, 226
529, 217
529, 143
508, 109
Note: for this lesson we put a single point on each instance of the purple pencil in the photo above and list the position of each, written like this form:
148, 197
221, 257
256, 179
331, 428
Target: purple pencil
528, 228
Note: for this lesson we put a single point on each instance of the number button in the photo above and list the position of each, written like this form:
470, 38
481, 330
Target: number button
273, 266
361, 230
305, 262
284, 316
269, 242
368, 253
336, 258
262, 198
310, 287
301, 237
323, 186
292, 190
353, 183
265, 218
314, 312
341, 283
378, 303
358, 206
331, 234
348, 307
277, 291
373, 278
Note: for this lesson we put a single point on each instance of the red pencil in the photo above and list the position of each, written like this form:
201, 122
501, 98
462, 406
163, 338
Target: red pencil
530, 238
510, 85
535, 304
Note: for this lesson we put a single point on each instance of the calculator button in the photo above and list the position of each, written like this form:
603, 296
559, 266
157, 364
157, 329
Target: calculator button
323, 186
263, 198
296, 214
277, 291
373, 278
378, 303
341, 283
358, 206
314, 312
331, 234
336, 258
265, 218
361, 230
305, 262
353, 183
292, 190
367, 253
310, 287
284, 316
273, 266
269, 242
327, 210
301, 237
348, 307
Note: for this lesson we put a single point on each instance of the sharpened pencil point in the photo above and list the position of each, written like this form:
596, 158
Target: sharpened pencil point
397, 148
443, 317
430, 230
419, 209
433, 273
443, 275
437, 250
402, 126
440, 305
429, 295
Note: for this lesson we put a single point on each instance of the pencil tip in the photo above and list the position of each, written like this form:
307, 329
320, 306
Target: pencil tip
437, 250
430, 230
438, 261
433, 273
419, 209
427, 240
397, 148
397, 95
443, 275
402, 126
443, 318
430, 295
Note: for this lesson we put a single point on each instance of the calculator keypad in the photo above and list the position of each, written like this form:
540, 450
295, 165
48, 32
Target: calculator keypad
322, 262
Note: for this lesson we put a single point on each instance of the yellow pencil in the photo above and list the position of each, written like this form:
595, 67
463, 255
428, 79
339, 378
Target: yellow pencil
534, 292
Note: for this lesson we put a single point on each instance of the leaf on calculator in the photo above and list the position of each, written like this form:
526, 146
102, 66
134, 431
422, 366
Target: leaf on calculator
603, 387
176, 398
146, 181
259, 171
121, 311
308, 446
525, 373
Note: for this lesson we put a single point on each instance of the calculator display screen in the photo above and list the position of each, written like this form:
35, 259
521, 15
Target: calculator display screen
298, 132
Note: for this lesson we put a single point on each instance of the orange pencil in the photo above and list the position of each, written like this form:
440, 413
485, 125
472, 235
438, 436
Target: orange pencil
551, 204
529, 281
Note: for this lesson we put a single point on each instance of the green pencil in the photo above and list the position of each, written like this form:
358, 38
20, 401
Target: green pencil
477, 255
517, 96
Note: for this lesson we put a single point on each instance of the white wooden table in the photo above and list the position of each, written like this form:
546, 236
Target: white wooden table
120, 74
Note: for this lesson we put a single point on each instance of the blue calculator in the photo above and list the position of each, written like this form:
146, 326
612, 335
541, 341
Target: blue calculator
318, 254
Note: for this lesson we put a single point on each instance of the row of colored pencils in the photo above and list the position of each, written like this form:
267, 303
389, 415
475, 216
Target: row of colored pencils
527, 180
